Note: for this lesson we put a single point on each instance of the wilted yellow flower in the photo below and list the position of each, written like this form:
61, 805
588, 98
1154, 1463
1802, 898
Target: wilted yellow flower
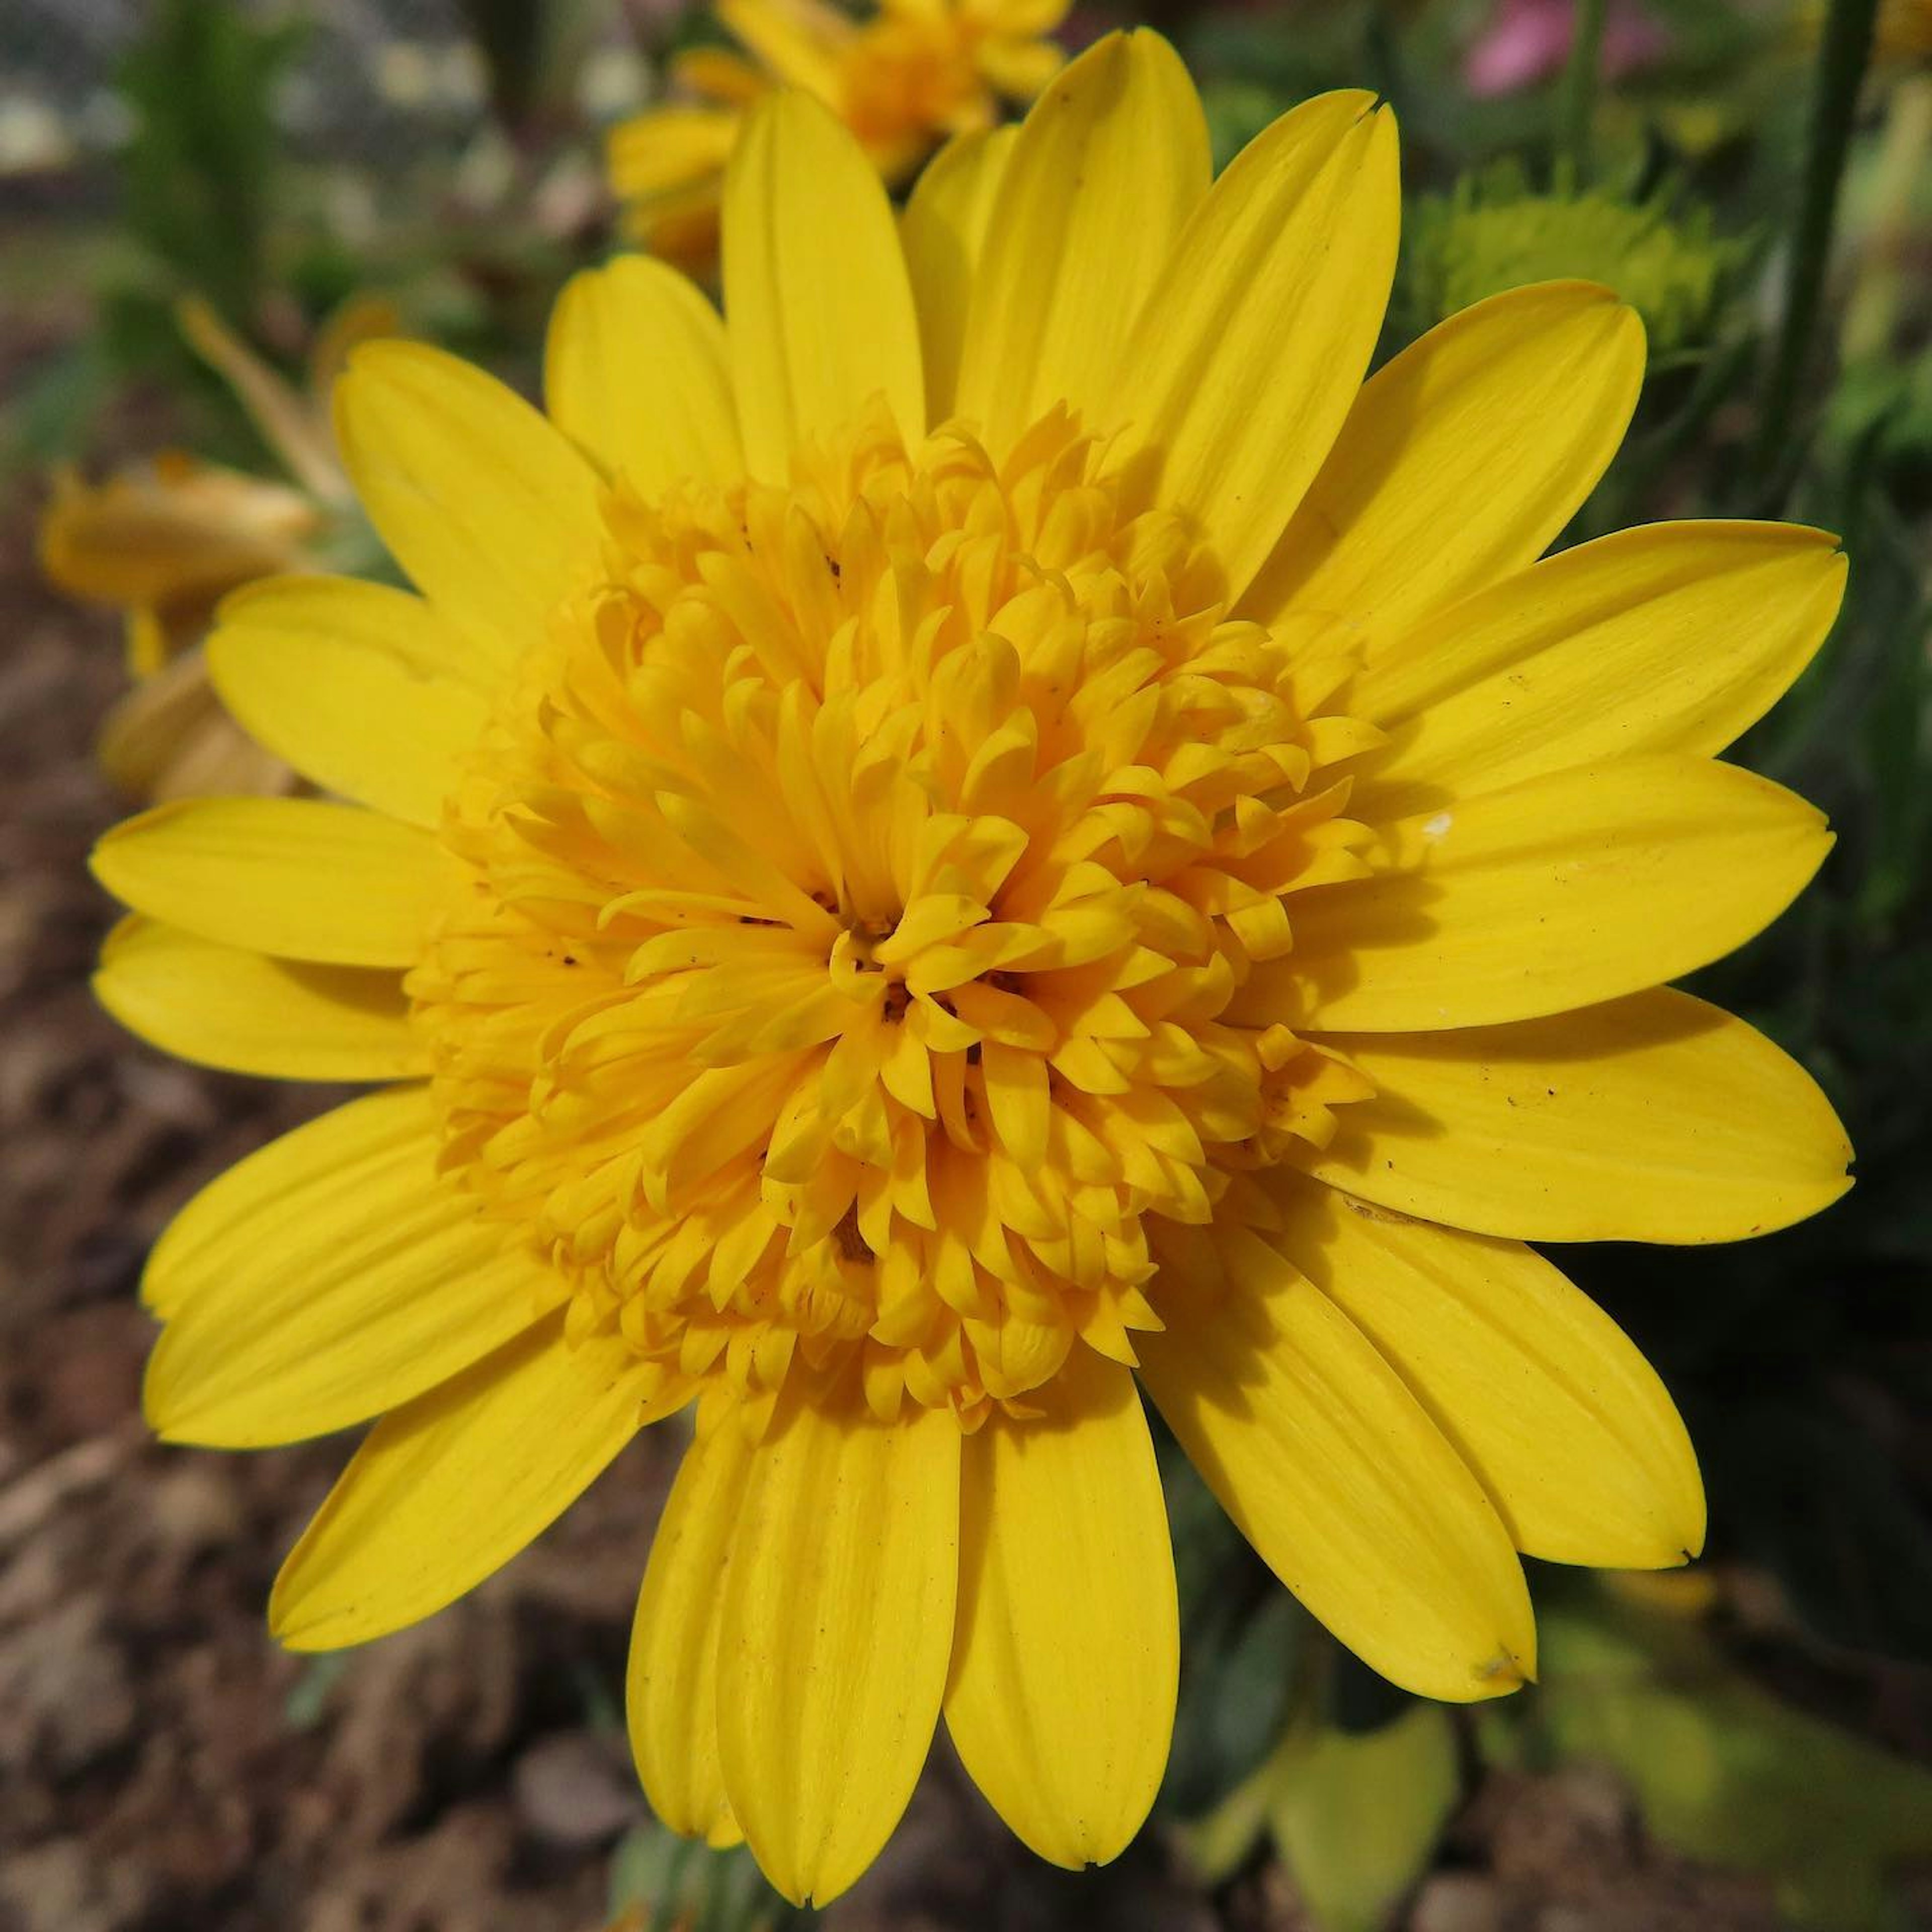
162, 541
914, 72
995, 821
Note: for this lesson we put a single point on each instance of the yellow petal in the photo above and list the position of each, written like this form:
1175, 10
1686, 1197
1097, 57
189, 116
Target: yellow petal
1655, 1118
361, 687
299, 878
671, 1686
1461, 460
798, 41
1564, 891
491, 511
330, 1277
838, 1624
1669, 638
944, 231
1565, 1425
358, 319
670, 149
222, 1005
1252, 347
377, 616
816, 300
716, 74
1107, 167
168, 737
447, 1490
1064, 1665
1021, 68
211, 1236
171, 533
636, 369
1330, 1468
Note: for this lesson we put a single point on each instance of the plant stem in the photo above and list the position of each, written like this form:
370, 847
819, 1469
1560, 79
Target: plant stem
1842, 58
1578, 107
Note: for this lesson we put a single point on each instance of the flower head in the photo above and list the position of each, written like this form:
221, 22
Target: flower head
903, 80
1495, 233
991, 833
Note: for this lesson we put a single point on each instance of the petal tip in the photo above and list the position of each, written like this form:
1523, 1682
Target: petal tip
159, 1409
296, 1621
1505, 1672
784, 114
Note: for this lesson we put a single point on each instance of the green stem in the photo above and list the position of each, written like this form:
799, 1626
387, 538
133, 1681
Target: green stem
1842, 59
1578, 107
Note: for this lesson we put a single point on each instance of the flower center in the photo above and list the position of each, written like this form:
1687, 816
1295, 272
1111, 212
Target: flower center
856, 881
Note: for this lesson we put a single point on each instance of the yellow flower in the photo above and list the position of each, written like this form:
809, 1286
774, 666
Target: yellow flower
916, 72
162, 541
994, 820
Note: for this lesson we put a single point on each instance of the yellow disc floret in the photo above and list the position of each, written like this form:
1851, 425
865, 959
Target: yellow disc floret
854, 887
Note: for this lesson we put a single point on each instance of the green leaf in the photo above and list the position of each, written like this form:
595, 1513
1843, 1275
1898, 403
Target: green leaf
659, 1880
199, 171
308, 1698
1241, 1647
1357, 1815
1727, 1774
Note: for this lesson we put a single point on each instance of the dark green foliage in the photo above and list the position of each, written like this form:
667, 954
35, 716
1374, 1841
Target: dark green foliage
199, 173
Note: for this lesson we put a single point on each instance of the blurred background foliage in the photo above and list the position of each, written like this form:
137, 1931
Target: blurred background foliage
1756, 178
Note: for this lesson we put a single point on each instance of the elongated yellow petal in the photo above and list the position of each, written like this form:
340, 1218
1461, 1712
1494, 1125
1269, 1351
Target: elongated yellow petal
1672, 637
1461, 460
636, 369
170, 532
816, 303
798, 41
299, 877
216, 1232
1330, 1468
1567, 1426
1107, 167
671, 1685
837, 1625
222, 1005
1568, 889
1065, 1664
362, 689
330, 1277
1655, 1118
1252, 348
448, 1489
492, 511
944, 231
672, 149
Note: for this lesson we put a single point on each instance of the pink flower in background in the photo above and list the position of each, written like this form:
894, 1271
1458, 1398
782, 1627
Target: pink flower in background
1528, 40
